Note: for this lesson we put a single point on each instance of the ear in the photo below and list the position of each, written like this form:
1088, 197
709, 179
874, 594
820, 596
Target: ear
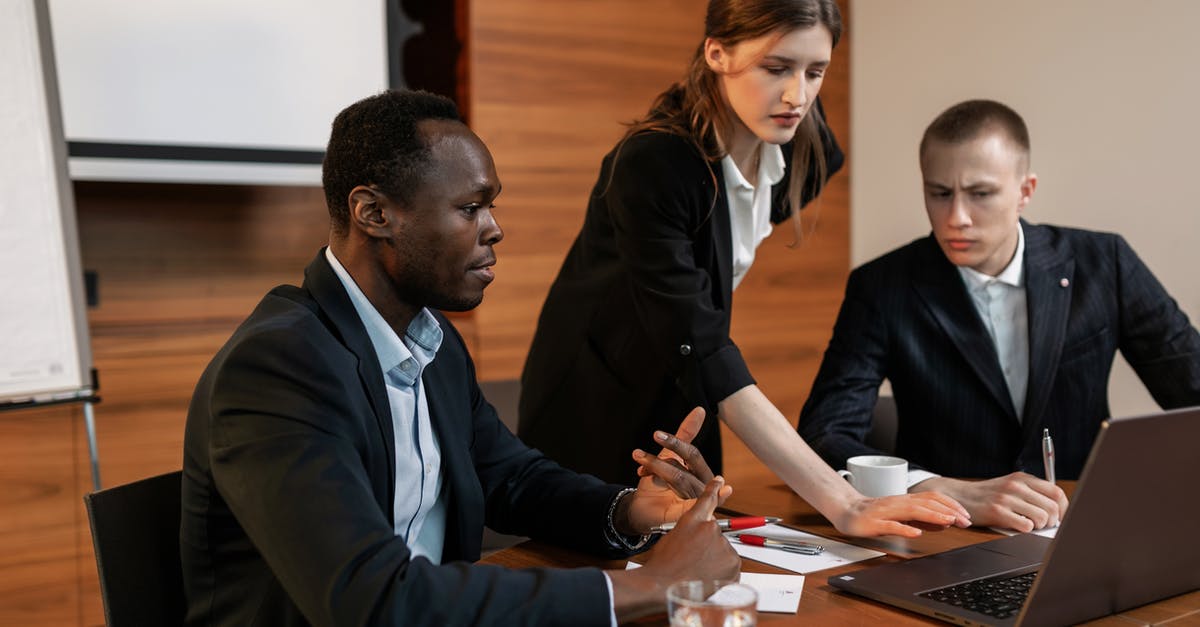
369, 211
716, 56
1027, 188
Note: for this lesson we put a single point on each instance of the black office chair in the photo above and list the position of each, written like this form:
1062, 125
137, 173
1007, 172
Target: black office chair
883, 425
503, 395
135, 531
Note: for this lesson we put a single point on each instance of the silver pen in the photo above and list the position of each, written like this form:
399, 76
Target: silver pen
791, 546
1048, 455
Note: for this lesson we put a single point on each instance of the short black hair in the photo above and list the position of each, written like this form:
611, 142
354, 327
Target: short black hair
375, 141
966, 120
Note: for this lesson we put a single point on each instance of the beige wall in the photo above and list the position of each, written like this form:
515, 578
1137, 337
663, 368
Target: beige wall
1110, 92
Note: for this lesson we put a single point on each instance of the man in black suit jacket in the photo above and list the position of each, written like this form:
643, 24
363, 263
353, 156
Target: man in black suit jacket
339, 459
991, 330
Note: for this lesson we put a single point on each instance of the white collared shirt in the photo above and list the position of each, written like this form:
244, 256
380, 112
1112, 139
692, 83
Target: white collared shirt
419, 508
750, 206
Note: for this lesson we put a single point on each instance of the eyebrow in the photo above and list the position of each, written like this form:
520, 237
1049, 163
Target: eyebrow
486, 189
790, 61
972, 186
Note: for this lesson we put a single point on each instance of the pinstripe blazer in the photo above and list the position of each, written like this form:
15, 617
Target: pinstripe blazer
907, 317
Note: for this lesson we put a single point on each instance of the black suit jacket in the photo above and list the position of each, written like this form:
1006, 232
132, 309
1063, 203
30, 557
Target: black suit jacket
635, 330
289, 475
908, 317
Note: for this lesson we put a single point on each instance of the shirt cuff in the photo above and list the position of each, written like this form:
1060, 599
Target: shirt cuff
612, 606
917, 476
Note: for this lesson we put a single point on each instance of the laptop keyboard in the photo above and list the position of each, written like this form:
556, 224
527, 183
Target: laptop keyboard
998, 597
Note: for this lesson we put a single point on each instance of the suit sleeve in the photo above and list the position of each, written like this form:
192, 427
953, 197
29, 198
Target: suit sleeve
525, 492
837, 415
661, 193
1156, 337
287, 457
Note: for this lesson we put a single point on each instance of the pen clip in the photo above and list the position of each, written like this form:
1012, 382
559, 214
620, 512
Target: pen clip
815, 549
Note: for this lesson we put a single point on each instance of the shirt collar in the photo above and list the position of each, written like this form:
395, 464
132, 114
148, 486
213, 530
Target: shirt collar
424, 331
770, 167
1012, 275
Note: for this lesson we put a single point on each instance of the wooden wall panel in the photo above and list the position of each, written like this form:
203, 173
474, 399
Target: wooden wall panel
550, 85
42, 528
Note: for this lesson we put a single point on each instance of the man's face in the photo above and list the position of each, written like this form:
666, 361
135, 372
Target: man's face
440, 253
974, 194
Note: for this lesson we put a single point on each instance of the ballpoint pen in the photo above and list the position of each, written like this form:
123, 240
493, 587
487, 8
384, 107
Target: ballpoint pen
791, 546
1048, 455
728, 524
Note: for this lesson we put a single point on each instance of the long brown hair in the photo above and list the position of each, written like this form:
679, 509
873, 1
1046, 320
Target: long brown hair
693, 108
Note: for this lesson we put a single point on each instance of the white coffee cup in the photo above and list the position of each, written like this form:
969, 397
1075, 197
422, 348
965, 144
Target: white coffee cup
877, 475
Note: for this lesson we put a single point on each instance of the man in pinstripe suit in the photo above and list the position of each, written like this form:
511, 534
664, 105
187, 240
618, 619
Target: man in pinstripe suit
992, 329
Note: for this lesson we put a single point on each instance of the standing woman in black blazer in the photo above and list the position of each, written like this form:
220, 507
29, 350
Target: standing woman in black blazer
635, 330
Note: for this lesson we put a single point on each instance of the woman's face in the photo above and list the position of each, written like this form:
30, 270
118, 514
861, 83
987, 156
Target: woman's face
771, 82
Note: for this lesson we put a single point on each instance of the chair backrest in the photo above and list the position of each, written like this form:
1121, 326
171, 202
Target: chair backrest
503, 394
135, 531
882, 435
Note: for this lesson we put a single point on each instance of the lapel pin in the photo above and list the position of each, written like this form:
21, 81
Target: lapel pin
1064, 282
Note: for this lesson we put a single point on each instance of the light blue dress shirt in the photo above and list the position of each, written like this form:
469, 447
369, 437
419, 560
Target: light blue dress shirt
1002, 305
419, 513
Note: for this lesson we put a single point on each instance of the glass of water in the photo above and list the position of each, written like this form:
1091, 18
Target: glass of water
711, 604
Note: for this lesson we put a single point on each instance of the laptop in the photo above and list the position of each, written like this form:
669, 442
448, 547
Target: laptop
1129, 538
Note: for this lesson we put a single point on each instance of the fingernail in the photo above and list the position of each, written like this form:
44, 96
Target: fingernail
660, 436
638, 453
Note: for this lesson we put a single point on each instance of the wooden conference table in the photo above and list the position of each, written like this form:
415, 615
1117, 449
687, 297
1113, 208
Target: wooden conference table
820, 604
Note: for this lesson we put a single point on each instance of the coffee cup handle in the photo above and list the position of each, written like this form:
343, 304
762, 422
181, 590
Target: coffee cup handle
845, 474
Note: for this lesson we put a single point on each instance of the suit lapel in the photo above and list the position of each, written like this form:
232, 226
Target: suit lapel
1049, 303
940, 287
327, 289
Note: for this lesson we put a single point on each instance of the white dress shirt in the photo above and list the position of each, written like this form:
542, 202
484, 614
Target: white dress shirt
419, 510
750, 205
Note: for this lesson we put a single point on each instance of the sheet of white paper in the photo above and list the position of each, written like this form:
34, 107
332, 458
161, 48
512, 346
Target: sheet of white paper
835, 554
776, 593
1047, 532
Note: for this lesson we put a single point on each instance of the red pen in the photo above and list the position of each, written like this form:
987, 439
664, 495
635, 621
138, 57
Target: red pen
728, 524
793, 546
